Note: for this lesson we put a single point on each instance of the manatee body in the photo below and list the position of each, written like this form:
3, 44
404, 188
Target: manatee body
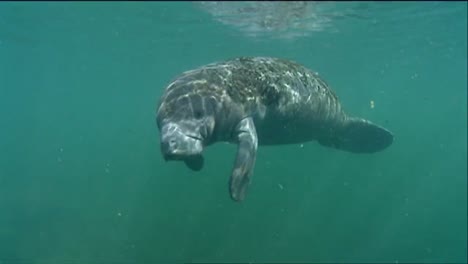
253, 101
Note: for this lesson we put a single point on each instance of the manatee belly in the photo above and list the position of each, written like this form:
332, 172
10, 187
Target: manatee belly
278, 129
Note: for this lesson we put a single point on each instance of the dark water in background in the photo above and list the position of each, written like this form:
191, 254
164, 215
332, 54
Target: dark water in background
82, 179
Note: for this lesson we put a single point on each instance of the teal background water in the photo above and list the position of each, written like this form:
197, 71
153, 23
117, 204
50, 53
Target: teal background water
82, 179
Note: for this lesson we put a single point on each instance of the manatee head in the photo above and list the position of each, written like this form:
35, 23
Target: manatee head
186, 124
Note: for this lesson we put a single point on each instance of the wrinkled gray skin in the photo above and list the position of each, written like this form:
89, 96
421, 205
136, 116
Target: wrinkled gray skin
256, 101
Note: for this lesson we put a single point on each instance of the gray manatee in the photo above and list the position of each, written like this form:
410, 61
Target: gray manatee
253, 101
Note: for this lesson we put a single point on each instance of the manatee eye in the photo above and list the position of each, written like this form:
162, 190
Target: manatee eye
198, 114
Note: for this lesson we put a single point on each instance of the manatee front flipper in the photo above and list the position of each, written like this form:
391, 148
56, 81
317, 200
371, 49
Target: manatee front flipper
246, 136
359, 136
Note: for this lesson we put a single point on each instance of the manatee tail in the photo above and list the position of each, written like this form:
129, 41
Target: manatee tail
359, 136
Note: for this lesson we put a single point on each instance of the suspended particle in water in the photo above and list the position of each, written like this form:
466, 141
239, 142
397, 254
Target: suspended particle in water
59, 158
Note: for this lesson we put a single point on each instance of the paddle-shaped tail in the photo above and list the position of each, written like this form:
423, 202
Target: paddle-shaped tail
358, 135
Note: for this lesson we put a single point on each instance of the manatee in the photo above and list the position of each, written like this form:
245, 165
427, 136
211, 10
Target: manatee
252, 101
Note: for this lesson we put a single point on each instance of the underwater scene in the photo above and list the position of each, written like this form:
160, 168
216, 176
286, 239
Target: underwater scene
233, 132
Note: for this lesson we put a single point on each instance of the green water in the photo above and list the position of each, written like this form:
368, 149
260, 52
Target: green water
82, 179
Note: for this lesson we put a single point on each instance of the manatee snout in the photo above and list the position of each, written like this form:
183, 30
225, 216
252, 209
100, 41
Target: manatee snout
179, 144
